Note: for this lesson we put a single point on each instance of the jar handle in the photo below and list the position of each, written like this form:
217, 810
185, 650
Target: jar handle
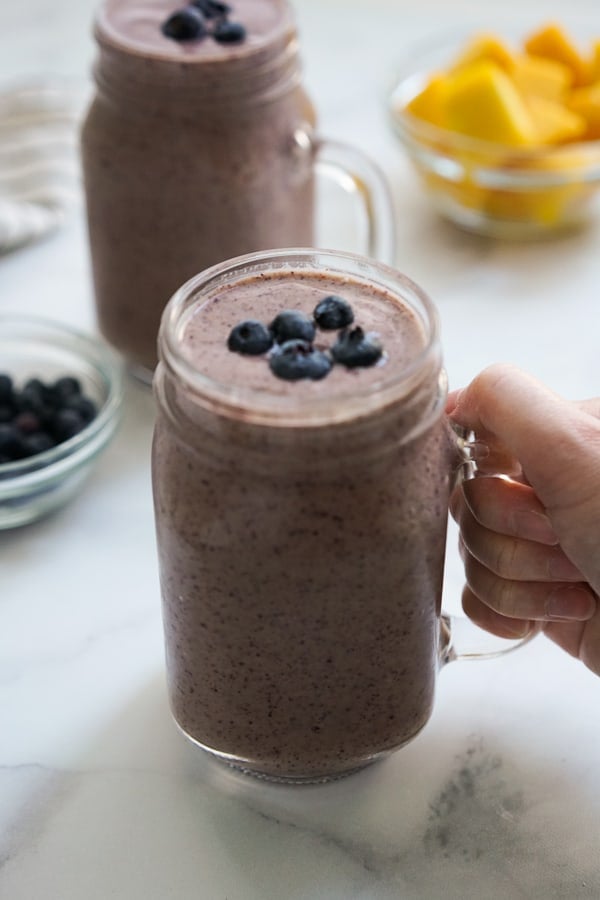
456, 631
355, 173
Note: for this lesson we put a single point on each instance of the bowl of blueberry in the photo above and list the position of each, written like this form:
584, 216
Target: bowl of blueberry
60, 401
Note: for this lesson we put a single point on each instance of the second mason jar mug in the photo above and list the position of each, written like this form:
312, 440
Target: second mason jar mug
199, 149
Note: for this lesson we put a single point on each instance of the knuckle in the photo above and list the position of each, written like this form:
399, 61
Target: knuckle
500, 594
506, 599
489, 381
505, 560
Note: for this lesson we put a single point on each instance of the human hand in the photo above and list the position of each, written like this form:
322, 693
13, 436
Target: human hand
531, 541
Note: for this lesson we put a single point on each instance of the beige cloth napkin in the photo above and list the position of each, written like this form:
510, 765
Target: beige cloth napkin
39, 159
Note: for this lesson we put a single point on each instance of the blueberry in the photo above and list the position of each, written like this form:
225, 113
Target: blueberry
291, 325
250, 337
31, 398
27, 422
6, 388
7, 412
228, 32
10, 441
298, 359
66, 423
67, 386
36, 386
332, 313
37, 443
212, 9
83, 405
354, 348
185, 24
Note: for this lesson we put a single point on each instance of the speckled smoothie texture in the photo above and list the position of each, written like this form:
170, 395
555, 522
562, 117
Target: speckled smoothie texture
301, 567
189, 158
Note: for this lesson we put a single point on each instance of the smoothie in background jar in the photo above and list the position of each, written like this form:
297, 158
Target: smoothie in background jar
301, 523
198, 150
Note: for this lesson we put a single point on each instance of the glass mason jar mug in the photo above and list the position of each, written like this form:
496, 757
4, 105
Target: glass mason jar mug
197, 151
301, 524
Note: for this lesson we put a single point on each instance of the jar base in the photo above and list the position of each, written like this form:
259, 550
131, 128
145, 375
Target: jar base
253, 770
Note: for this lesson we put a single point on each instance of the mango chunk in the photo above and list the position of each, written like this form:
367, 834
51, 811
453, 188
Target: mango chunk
540, 77
553, 122
429, 103
482, 102
551, 42
485, 46
585, 102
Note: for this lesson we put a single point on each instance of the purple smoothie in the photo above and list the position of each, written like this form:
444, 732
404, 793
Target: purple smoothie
189, 157
301, 530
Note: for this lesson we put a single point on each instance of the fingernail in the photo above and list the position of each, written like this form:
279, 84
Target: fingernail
518, 629
534, 526
570, 602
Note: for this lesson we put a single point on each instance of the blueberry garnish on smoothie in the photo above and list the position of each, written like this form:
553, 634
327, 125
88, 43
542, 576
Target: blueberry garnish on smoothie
212, 9
298, 359
355, 349
250, 337
185, 25
228, 32
289, 338
332, 313
292, 325
190, 23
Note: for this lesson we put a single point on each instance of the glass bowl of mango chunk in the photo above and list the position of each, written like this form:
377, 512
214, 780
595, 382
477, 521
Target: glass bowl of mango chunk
505, 132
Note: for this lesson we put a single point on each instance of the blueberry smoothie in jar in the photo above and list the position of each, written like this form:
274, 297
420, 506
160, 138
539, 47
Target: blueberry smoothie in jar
189, 152
301, 470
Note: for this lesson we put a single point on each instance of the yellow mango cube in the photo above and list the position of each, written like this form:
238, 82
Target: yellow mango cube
552, 42
485, 46
555, 123
481, 101
429, 103
585, 102
540, 77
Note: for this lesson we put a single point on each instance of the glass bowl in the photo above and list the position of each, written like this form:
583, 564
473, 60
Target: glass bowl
489, 188
37, 348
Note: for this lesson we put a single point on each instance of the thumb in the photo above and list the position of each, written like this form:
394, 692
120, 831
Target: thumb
556, 442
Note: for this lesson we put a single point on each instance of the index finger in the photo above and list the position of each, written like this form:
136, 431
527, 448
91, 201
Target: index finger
557, 443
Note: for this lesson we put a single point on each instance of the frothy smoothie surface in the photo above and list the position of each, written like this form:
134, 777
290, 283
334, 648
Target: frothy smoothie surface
381, 315
137, 26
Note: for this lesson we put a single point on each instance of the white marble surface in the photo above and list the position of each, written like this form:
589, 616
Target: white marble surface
100, 797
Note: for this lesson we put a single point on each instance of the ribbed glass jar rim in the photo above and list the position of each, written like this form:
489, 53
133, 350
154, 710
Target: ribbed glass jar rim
260, 407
